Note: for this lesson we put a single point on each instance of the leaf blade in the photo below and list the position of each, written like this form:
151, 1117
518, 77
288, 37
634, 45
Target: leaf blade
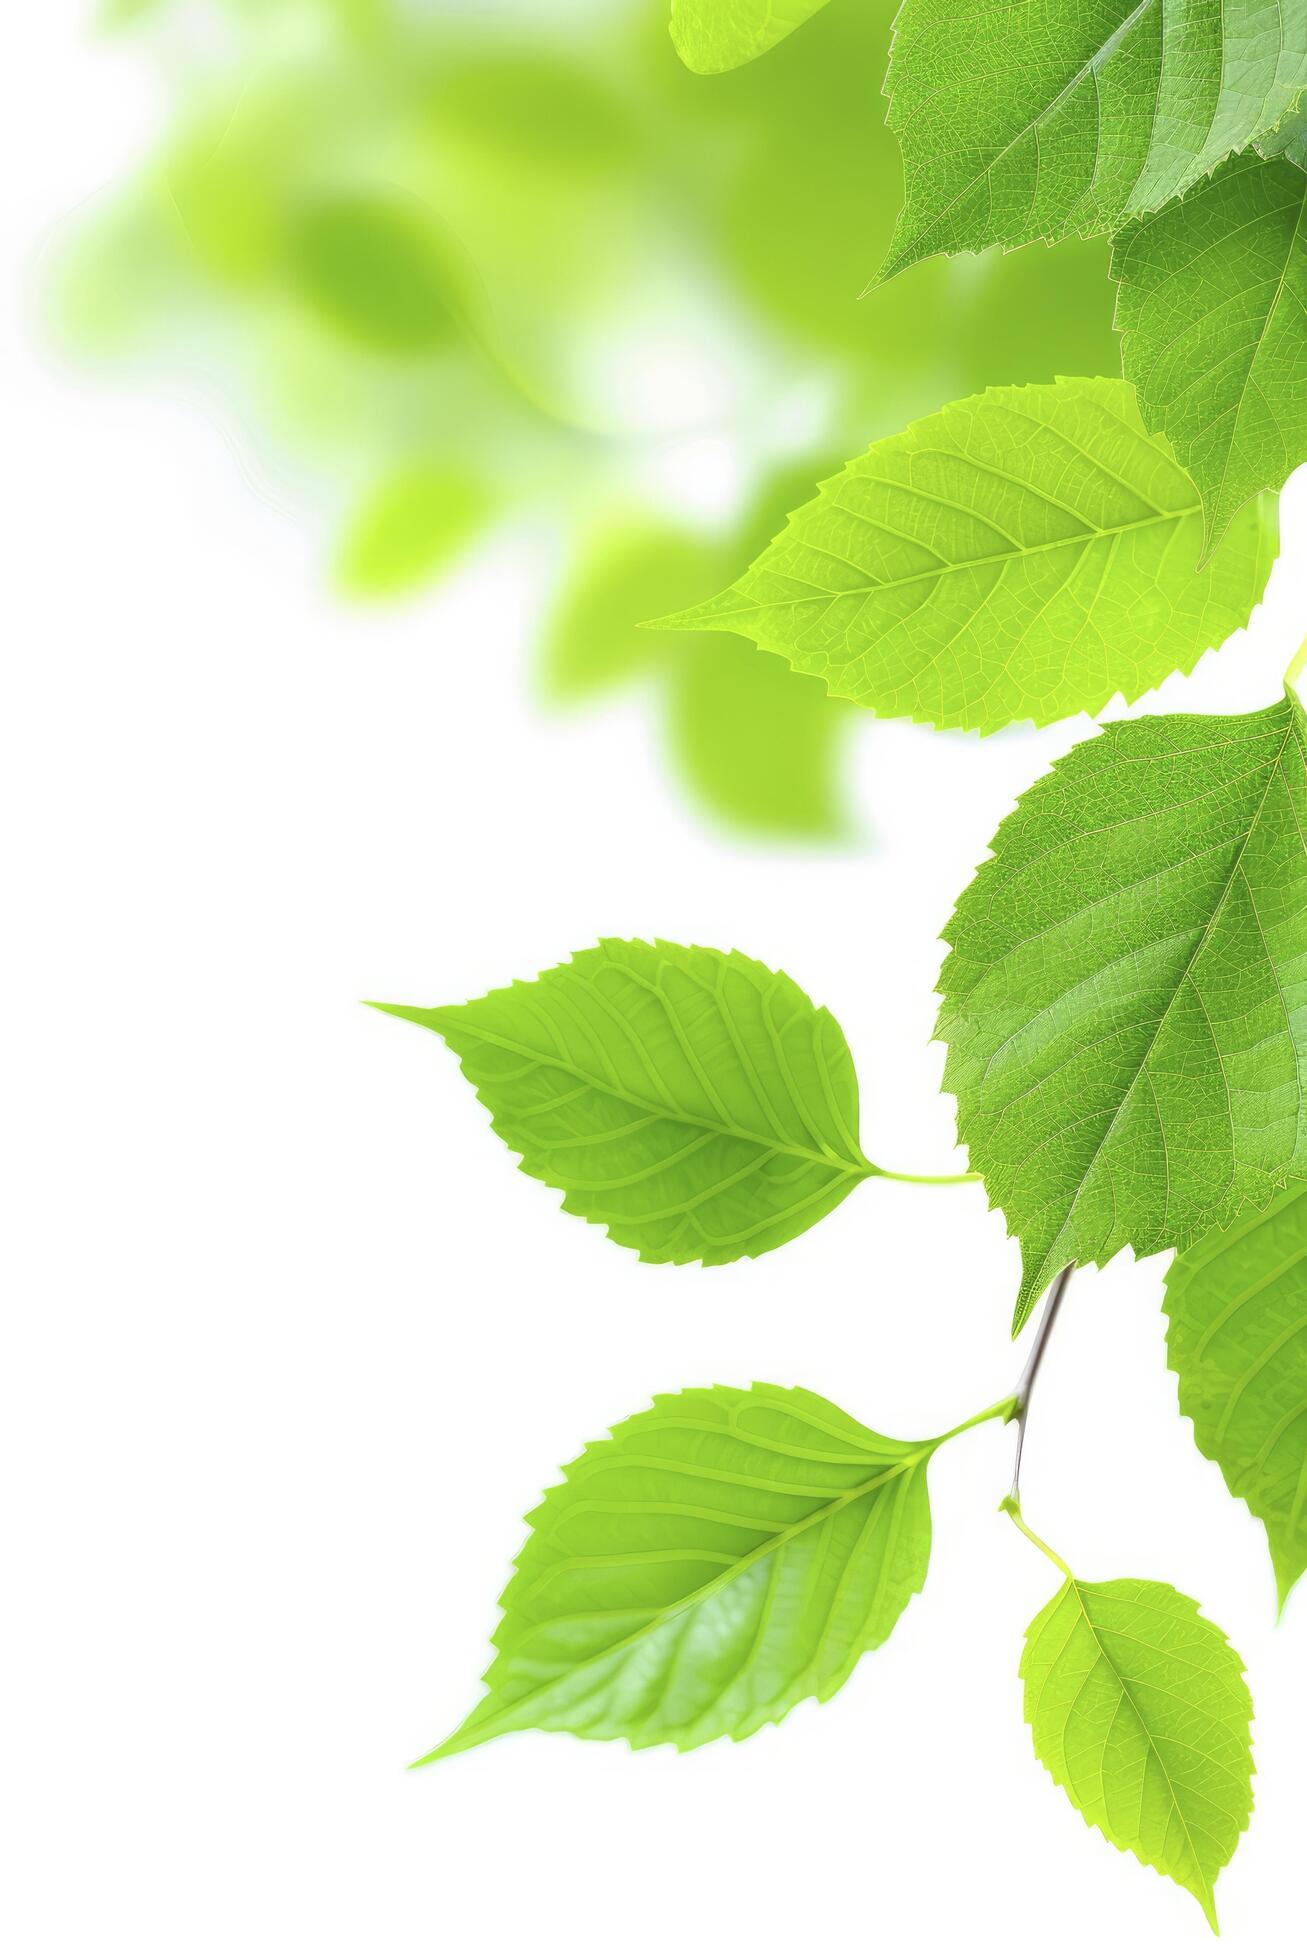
1133, 953
1024, 554
1236, 1306
821, 1533
1211, 294
695, 1103
1043, 122
1130, 1665
712, 36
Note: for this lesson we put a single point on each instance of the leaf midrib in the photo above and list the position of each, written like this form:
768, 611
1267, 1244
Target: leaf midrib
1081, 541
859, 1169
726, 1577
1206, 1899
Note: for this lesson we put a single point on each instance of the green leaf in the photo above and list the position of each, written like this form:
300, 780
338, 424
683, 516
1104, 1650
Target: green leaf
725, 1555
1236, 1308
1044, 120
1024, 554
713, 35
1287, 139
412, 525
1211, 305
694, 1102
1125, 1003
1139, 1711
375, 272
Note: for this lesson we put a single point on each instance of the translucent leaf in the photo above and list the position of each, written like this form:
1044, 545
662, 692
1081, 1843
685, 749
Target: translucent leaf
1125, 1004
1237, 1338
1138, 1710
694, 1102
714, 35
1212, 298
1044, 120
722, 1557
1024, 554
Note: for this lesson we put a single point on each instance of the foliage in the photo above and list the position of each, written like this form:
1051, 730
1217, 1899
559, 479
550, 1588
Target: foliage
694, 1102
1125, 1002
1213, 294
1021, 555
719, 1559
1138, 1710
473, 267
1237, 1338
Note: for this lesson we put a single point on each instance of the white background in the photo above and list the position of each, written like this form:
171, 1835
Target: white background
291, 1346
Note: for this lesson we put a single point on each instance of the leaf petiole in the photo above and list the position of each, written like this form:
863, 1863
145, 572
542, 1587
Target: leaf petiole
1012, 1506
1296, 668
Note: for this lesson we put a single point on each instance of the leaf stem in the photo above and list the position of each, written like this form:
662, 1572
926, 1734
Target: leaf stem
1024, 1388
1297, 667
917, 1177
1012, 1506
997, 1411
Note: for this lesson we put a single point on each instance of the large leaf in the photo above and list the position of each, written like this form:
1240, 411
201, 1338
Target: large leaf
694, 1102
1125, 1003
1237, 1338
1043, 120
725, 1555
1138, 1709
1213, 292
714, 35
1021, 555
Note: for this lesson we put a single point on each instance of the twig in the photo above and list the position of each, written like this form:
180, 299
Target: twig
1021, 1398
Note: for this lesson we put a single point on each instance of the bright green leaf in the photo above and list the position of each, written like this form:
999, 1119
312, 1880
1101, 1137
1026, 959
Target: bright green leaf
1125, 1003
1021, 555
1237, 1338
714, 35
694, 1102
722, 1557
1213, 308
1138, 1710
414, 523
1044, 120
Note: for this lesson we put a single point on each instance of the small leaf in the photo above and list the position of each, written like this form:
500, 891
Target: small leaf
412, 525
373, 270
694, 1102
1236, 1308
724, 1556
1125, 1003
713, 35
1021, 555
1042, 121
1211, 302
1138, 1710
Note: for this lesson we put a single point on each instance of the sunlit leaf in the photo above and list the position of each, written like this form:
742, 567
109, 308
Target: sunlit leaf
714, 35
1021, 555
1138, 1710
694, 1102
720, 1558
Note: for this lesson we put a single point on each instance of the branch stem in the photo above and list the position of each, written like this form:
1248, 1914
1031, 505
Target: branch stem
1024, 1388
1012, 1506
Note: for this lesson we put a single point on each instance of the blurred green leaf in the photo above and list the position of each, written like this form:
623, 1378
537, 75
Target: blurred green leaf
413, 524
373, 270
